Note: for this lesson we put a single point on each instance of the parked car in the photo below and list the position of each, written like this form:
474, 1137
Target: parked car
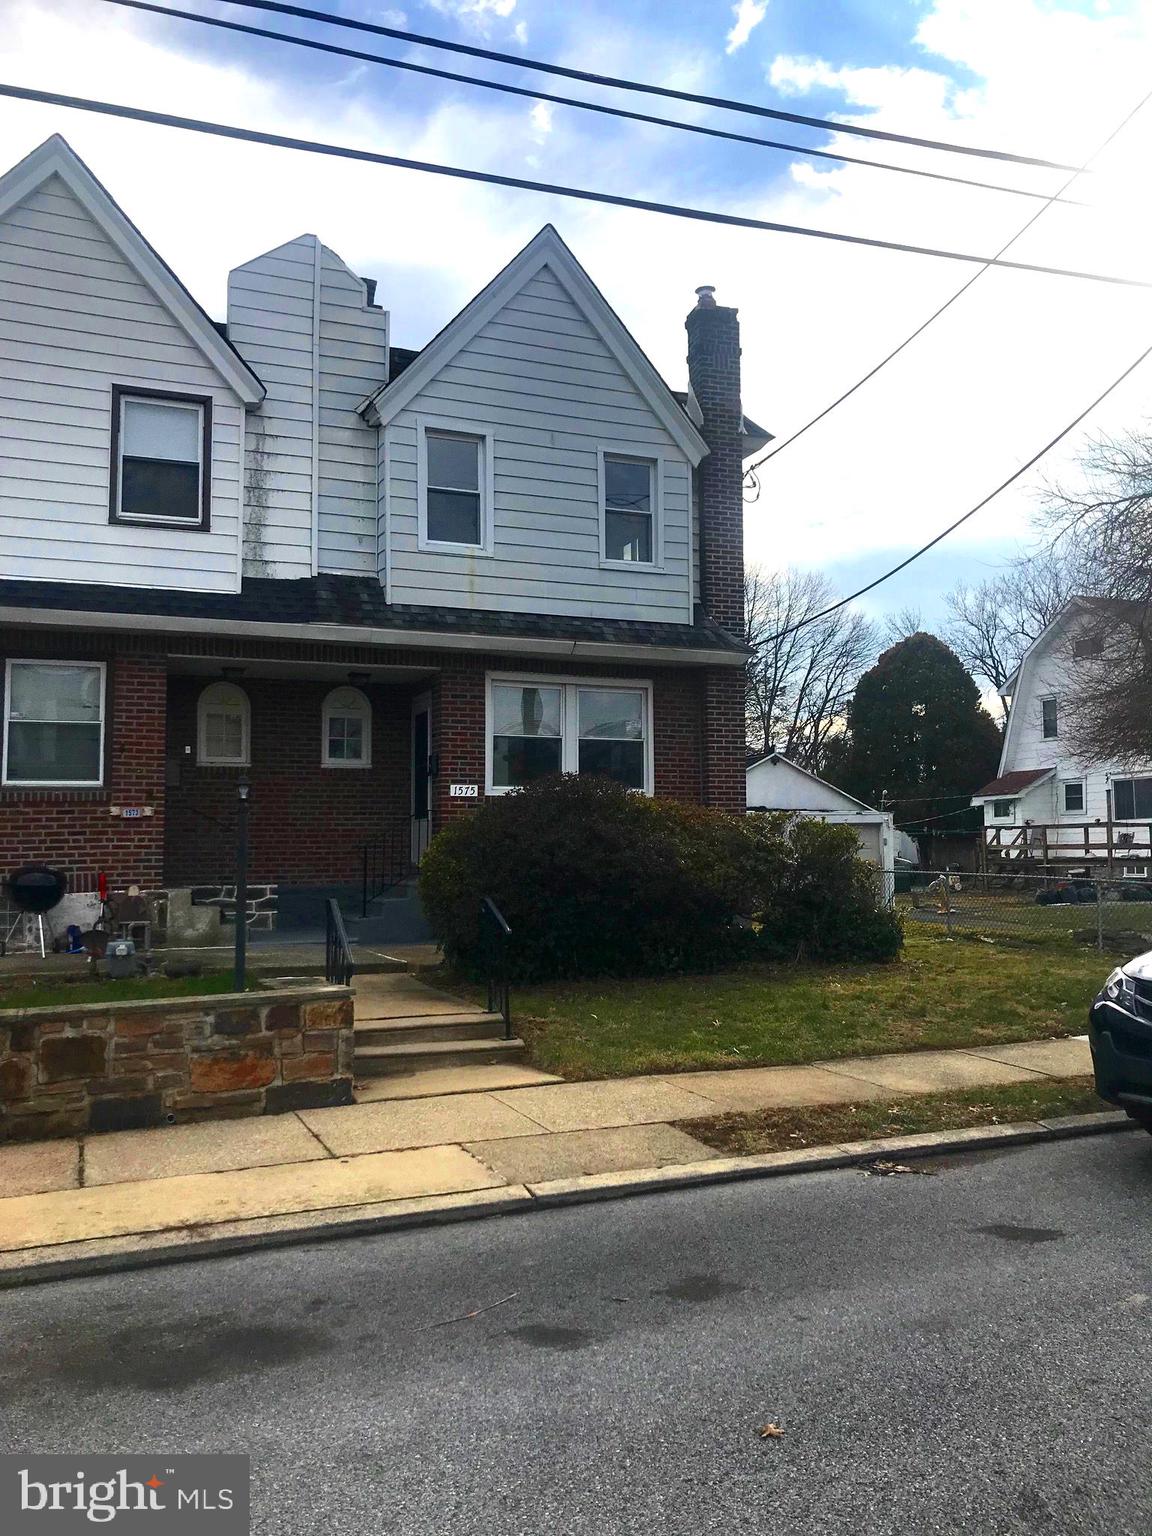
1120, 1034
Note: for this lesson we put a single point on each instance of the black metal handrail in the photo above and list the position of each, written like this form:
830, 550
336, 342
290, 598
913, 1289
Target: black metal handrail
338, 964
384, 863
495, 939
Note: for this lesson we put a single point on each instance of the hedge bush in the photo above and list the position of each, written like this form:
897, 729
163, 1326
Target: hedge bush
596, 881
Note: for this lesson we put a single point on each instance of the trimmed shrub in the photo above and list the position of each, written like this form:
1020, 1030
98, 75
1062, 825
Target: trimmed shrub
595, 881
822, 901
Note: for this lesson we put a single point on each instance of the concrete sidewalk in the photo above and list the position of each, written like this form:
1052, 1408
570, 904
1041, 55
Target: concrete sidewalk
409, 1151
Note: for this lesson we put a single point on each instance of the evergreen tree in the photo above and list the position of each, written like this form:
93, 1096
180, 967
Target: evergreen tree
918, 737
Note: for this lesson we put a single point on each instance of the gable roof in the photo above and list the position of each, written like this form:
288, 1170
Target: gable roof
1009, 784
778, 760
55, 157
546, 249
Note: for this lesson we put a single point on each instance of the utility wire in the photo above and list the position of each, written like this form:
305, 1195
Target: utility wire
947, 304
519, 183
519, 61
588, 106
972, 511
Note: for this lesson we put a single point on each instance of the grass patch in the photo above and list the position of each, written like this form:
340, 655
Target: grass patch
782, 1130
937, 994
133, 989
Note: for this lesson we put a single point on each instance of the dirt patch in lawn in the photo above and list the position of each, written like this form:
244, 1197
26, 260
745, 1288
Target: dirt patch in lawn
781, 1130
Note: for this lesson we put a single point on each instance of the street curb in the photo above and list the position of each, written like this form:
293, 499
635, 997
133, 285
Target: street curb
110, 1255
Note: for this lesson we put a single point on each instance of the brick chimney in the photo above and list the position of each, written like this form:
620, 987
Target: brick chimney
714, 379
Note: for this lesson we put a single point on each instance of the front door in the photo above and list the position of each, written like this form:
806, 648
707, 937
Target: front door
421, 775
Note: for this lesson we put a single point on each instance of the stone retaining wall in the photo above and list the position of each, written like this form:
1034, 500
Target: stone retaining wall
115, 1066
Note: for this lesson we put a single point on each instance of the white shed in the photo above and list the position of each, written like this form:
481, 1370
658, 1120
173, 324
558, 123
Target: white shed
775, 784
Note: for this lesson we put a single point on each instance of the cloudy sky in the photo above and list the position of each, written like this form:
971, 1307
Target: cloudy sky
1010, 364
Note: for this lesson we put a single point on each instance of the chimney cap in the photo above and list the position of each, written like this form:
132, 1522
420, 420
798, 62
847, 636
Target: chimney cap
705, 297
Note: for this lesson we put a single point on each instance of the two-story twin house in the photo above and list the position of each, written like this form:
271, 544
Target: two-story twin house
1046, 804
373, 584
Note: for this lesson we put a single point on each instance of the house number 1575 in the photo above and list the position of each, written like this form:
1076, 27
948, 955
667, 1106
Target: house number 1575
463, 791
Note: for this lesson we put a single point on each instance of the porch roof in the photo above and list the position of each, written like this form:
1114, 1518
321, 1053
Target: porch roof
353, 609
1015, 783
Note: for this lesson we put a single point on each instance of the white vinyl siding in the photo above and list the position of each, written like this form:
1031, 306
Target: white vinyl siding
539, 379
75, 318
299, 316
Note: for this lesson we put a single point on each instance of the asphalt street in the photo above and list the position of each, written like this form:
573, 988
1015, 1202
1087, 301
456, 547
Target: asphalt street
967, 1349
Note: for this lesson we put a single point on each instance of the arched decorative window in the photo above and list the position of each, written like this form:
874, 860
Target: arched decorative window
347, 730
224, 727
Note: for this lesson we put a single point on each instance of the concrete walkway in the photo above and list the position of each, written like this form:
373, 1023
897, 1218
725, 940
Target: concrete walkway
523, 1132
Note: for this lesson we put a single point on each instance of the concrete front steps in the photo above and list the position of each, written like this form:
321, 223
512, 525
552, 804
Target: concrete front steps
403, 1026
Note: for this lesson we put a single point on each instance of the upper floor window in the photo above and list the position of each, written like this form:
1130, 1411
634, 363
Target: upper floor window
1050, 719
455, 475
541, 727
1132, 799
1085, 647
54, 722
161, 458
223, 727
347, 724
629, 510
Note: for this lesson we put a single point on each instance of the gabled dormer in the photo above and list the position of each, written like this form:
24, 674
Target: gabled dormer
123, 404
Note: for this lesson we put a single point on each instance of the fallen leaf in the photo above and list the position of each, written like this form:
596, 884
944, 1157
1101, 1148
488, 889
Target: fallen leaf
771, 1432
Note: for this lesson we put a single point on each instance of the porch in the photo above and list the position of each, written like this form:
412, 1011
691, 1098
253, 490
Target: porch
1119, 849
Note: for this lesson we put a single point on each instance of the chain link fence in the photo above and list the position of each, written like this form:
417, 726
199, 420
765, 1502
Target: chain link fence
1082, 908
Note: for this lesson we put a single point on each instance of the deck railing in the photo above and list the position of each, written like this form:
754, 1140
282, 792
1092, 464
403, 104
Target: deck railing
1092, 841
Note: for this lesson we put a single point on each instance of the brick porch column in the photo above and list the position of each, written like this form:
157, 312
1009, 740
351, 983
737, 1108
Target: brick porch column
724, 755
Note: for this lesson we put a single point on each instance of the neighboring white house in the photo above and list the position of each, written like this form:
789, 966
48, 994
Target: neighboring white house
775, 784
1045, 802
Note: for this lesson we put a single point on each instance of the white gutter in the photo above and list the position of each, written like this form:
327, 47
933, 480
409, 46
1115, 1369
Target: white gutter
396, 639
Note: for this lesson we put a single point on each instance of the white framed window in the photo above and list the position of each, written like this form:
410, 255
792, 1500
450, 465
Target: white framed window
1134, 872
630, 497
347, 730
223, 727
542, 725
1072, 795
1049, 719
1002, 809
54, 723
161, 458
454, 487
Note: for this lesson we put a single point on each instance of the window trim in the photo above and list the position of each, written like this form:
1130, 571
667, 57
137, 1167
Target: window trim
202, 758
364, 713
486, 438
1007, 815
569, 720
122, 392
1064, 810
1045, 735
42, 661
655, 462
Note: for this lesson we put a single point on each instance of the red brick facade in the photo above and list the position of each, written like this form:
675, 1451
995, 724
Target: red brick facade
308, 823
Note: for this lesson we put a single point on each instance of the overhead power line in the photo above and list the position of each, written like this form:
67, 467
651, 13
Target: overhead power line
947, 304
588, 106
972, 511
552, 189
520, 61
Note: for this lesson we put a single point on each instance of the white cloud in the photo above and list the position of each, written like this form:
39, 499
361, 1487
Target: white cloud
479, 12
541, 118
520, 33
749, 14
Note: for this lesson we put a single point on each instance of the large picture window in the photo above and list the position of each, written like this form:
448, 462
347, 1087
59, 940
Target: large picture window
629, 510
161, 470
1132, 799
54, 723
543, 726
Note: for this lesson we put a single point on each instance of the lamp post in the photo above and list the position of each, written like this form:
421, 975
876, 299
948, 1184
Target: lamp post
243, 790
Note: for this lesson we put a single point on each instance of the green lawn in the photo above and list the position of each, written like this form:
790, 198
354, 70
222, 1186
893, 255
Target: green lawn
136, 989
939, 993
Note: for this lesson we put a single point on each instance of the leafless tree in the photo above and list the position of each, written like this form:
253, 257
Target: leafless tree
800, 680
1103, 525
899, 626
994, 622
